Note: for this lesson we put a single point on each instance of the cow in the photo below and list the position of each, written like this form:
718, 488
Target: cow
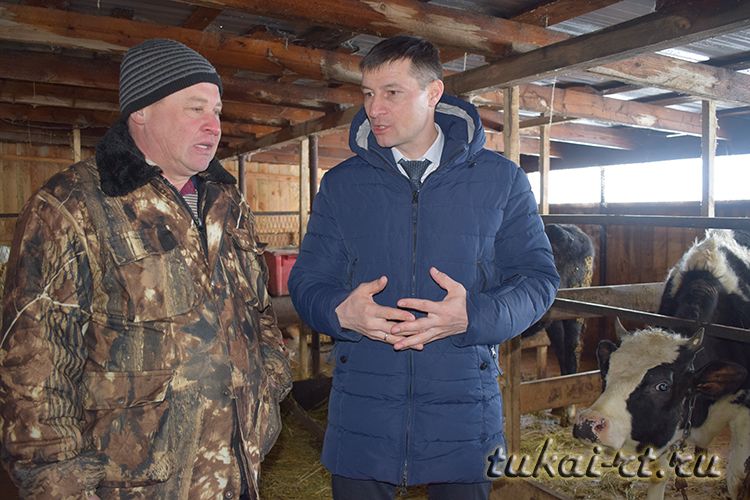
663, 389
574, 259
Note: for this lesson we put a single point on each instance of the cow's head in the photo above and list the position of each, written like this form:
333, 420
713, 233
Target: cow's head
646, 382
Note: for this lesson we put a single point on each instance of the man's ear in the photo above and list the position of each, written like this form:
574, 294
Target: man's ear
139, 117
434, 92
719, 378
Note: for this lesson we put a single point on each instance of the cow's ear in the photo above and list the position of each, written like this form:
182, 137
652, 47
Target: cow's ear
603, 351
719, 378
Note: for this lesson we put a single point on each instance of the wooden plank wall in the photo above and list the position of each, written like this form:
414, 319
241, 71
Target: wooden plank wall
272, 188
24, 168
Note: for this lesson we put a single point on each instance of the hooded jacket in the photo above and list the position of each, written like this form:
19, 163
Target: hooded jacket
140, 356
414, 417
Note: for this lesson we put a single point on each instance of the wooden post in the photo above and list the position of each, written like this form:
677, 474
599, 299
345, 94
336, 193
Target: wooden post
314, 141
76, 145
544, 133
304, 189
315, 338
512, 350
241, 174
708, 146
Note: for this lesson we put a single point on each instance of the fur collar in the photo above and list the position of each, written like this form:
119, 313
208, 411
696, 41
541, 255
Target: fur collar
123, 168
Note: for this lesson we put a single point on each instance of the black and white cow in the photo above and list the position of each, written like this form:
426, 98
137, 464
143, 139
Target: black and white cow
574, 259
651, 379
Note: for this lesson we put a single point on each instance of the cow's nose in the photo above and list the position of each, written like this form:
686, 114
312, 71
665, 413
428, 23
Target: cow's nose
590, 427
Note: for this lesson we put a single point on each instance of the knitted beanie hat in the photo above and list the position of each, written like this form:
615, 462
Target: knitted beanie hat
157, 68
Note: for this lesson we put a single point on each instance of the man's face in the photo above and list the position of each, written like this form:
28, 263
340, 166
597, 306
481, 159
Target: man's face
400, 109
182, 130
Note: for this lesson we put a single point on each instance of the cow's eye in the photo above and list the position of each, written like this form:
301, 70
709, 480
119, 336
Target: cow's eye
662, 386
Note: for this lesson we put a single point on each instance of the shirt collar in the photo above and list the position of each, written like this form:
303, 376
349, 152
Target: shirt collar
434, 153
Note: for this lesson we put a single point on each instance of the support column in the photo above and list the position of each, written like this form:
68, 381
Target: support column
544, 163
512, 349
313, 181
76, 145
708, 155
241, 175
304, 189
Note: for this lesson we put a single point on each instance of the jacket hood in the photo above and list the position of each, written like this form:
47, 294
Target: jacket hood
458, 119
123, 168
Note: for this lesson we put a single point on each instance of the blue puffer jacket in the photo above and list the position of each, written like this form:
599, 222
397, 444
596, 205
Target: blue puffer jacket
435, 415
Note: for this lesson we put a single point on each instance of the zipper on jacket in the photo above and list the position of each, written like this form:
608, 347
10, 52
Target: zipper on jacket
405, 472
198, 225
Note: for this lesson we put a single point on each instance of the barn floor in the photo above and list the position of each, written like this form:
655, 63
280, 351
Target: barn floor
292, 470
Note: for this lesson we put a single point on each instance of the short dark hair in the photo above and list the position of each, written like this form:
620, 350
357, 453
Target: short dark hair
424, 57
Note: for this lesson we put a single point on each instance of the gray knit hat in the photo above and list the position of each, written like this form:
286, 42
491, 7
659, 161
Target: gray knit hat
157, 68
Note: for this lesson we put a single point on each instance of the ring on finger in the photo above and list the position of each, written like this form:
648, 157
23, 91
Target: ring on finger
385, 337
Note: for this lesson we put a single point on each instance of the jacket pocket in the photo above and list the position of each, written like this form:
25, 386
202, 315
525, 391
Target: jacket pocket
155, 280
128, 416
267, 417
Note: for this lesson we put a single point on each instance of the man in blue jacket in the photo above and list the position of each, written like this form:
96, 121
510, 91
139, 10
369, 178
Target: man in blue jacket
423, 253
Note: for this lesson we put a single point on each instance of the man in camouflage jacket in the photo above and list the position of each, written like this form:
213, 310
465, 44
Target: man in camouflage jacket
140, 356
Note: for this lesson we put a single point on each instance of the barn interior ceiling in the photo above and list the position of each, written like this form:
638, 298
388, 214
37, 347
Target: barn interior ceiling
620, 81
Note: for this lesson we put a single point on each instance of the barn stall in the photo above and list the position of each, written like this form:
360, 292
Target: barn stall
560, 84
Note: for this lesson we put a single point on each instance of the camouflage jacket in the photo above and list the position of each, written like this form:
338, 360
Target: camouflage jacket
140, 355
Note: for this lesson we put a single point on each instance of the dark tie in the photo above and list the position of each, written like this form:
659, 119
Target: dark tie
415, 170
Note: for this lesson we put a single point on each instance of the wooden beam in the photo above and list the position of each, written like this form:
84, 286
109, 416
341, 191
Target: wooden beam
476, 33
700, 80
33, 135
329, 121
50, 68
679, 25
558, 11
201, 18
100, 79
115, 36
441, 25
559, 392
301, 96
742, 223
708, 157
45, 94
608, 110
21, 113
574, 133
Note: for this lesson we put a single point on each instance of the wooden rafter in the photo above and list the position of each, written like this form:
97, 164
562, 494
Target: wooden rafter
644, 34
558, 11
110, 35
579, 104
201, 18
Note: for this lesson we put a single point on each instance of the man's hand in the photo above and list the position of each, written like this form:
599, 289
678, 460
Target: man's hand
445, 318
360, 313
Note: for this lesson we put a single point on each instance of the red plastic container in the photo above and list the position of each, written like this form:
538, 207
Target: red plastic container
279, 262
